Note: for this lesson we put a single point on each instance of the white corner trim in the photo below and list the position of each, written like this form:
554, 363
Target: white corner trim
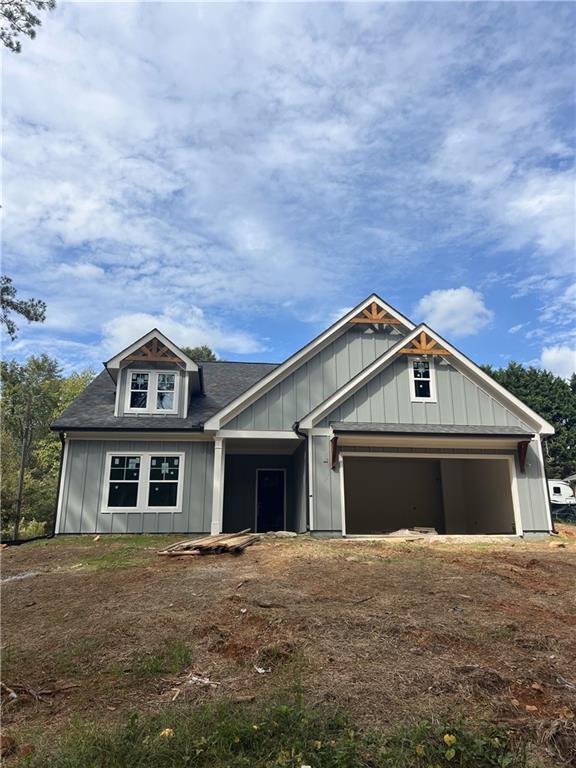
115, 361
310, 499
546, 489
218, 486
515, 496
295, 361
471, 369
342, 493
61, 488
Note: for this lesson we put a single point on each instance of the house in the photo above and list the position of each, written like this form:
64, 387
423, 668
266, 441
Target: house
376, 424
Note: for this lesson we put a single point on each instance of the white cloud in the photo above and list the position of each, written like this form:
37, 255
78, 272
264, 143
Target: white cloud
560, 359
184, 326
454, 311
516, 328
82, 270
277, 155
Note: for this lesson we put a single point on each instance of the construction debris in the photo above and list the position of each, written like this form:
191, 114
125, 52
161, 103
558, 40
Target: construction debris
190, 681
212, 545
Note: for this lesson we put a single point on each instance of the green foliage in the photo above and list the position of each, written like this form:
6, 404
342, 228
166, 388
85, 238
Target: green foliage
32, 310
289, 735
555, 400
202, 354
33, 394
18, 19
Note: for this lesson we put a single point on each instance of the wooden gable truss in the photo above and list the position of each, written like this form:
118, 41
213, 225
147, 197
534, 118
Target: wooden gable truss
375, 315
424, 345
154, 352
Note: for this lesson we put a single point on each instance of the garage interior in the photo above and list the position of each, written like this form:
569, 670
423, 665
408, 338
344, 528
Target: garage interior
452, 495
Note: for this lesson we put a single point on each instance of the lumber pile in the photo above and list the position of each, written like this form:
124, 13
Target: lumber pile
212, 545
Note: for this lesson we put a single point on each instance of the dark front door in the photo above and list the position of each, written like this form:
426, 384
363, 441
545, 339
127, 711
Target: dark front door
270, 499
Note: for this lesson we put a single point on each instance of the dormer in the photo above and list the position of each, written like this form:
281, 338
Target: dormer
153, 378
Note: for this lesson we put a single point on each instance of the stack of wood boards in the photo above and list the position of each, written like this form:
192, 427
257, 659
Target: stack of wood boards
212, 545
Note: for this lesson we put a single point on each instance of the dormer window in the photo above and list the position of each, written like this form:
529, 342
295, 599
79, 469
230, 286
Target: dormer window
422, 381
151, 391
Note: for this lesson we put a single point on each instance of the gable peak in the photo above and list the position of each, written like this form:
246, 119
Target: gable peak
423, 344
376, 313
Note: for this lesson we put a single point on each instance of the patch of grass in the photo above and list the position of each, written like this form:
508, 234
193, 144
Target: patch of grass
172, 657
110, 559
79, 656
289, 735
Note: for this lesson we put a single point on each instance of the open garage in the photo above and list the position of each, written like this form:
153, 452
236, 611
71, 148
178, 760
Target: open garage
459, 495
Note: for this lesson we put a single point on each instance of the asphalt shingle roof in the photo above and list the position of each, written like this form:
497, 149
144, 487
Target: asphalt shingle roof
93, 409
430, 429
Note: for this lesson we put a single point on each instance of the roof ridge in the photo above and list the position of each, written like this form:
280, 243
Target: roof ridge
238, 362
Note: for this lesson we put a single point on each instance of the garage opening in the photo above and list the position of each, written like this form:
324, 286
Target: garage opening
452, 495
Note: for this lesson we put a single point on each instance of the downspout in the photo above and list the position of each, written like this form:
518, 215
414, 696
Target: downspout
297, 431
542, 445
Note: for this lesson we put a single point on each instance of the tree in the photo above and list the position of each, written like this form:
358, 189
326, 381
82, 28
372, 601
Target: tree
18, 19
41, 476
34, 310
202, 354
29, 398
555, 400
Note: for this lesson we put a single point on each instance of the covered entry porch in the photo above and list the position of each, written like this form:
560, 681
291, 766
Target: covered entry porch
454, 485
263, 484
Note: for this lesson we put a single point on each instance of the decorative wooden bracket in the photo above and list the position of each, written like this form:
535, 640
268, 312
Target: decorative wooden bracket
424, 345
522, 451
154, 352
375, 315
334, 451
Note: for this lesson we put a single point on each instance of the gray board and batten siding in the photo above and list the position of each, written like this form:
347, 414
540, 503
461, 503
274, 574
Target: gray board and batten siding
318, 378
84, 483
386, 399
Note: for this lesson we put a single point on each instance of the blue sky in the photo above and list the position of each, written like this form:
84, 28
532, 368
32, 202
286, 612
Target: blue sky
240, 175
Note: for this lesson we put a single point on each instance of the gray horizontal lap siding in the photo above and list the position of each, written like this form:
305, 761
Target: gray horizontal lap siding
317, 379
83, 486
387, 399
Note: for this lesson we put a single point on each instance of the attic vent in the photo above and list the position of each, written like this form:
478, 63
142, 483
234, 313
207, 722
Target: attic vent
424, 345
375, 315
154, 352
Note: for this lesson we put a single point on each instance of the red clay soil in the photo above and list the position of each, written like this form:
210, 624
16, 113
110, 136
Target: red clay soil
389, 632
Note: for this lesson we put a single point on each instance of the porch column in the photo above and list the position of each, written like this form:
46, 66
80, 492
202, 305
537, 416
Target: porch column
218, 485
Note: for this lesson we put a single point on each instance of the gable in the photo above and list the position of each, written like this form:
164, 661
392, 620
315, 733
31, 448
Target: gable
153, 347
424, 342
310, 384
372, 311
386, 399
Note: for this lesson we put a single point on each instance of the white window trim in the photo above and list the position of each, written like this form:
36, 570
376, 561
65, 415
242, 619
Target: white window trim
143, 482
152, 391
413, 396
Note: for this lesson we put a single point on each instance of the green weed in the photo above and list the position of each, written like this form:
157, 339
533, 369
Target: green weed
289, 735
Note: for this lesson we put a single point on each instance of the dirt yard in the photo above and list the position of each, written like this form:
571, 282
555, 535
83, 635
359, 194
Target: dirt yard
387, 631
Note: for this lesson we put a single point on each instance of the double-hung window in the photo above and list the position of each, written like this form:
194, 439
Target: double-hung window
422, 381
152, 391
144, 482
